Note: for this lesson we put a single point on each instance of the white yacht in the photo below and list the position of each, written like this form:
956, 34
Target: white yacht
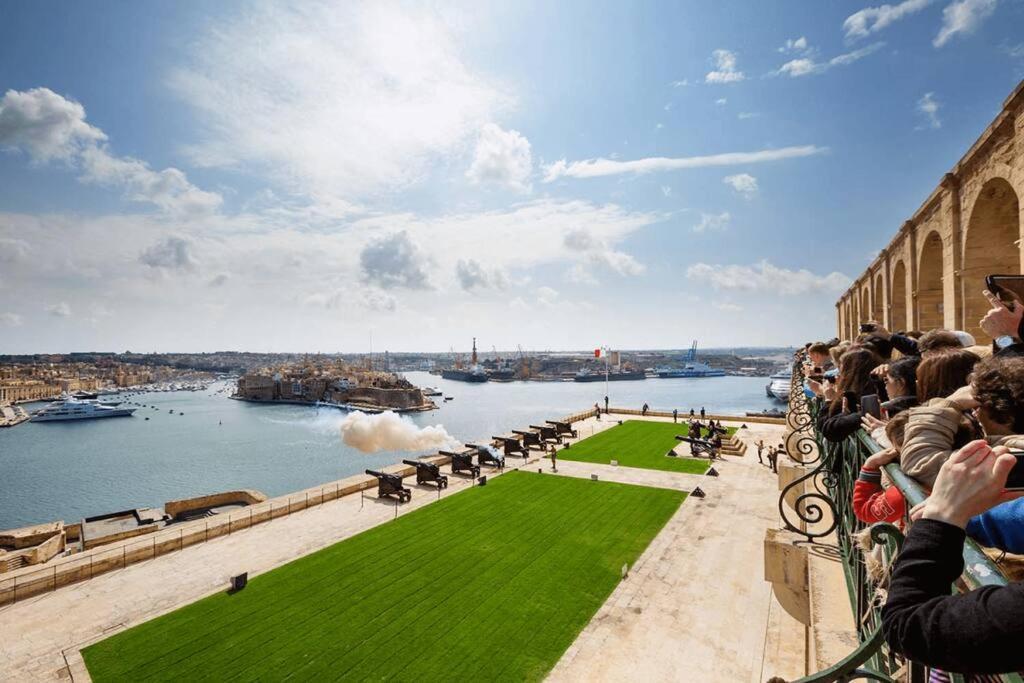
779, 384
73, 409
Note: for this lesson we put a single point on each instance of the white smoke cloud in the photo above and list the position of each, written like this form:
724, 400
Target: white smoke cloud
389, 432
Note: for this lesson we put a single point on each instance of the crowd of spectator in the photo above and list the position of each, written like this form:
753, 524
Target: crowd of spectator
950, 412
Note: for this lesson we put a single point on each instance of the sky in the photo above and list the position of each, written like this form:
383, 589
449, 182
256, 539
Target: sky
322, 177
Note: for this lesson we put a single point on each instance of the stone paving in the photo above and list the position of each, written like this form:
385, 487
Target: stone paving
695, 606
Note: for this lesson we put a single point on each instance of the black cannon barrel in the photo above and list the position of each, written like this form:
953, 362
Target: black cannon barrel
375, 473
419, 463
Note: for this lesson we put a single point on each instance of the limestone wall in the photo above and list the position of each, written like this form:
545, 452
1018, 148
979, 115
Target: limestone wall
175, 508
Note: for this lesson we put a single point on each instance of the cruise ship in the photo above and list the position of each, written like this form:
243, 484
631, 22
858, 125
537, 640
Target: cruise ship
74, 409
692, 367
779, 384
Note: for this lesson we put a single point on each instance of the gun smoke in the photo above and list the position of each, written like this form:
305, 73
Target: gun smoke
389, 432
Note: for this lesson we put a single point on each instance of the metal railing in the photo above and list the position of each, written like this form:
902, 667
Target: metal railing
819, 502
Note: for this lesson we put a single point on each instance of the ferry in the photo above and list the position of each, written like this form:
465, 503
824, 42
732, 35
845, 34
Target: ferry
74, 409
692, 367
779, 384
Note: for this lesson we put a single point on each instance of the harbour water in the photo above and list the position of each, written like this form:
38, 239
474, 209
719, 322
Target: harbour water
72, 470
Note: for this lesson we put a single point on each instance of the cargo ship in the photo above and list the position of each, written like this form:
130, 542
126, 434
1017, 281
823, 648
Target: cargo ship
473, 373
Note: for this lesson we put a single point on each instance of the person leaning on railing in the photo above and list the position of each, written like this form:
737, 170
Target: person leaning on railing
841, 417
979, 632
995, 399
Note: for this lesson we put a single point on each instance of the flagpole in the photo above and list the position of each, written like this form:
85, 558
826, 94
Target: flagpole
607, 354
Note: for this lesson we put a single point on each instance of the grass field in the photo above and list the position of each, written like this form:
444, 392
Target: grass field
637, 443
493, 583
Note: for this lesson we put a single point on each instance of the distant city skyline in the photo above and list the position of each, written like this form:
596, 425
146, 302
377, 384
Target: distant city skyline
185, 177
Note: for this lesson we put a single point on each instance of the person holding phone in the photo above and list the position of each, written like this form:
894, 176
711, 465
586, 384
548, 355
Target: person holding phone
1003, 323
841, 417
978, 632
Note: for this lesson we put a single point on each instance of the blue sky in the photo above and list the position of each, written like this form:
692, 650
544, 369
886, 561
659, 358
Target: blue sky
196, 176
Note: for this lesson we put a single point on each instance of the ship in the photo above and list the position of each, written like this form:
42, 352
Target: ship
779, 384
74, 409
691, 368
473, 373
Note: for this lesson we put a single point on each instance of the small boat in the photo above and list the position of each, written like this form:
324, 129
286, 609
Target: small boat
449, 398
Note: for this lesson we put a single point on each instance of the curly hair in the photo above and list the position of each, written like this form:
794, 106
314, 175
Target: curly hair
999, 389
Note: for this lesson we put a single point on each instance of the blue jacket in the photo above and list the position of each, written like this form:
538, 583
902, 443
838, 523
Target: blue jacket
1002, 527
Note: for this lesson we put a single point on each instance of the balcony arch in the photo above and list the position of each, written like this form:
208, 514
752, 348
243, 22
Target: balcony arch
898, 298
929, 302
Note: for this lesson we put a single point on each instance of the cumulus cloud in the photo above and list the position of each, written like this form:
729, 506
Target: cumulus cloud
45, 125
11, 320
682, 83
743, 115
870, 20
171, 253
666, 190
390, 432
48, 126
766, 277
725, 70
394, 261
59, 310
721, 100
471, 275
502, 157
713, 222
744, 183
595, 168
547, 296
963, 17
13, 250
794, 45
596, 252
928, 107
369, 94
368, 298
807, 66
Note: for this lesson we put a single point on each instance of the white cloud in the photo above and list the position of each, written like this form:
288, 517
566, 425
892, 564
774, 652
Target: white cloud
596, 252
471, 275
870, 20
218, 280
335, 99
806, 66
928, 107
964, 17
680, 84
59, 310
1014, 51
794, 45
13, 250
744, 183
11, 320
725, 68
713, 222
727, 306
546, 296
172, 253
50, 127
45, 125
595, 168
743, 115
666, 190
765, 277
720, 101
502, 157
395, 261
368, 298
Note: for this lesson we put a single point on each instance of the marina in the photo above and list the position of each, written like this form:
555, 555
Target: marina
73, 470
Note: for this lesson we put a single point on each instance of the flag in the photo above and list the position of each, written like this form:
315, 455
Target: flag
597, 353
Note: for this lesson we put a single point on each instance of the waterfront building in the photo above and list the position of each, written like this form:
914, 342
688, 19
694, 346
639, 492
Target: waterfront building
932, 273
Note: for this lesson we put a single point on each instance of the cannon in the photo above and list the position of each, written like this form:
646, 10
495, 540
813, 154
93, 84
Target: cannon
463, 462
488, 455
529, 439
563, 428
391, 485
699, 447
513, 446
427, 472
548, 433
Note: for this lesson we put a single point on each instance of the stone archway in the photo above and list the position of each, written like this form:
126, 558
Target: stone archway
848, 329
877, 310
990, 246
898, 298
929, 301
865, 307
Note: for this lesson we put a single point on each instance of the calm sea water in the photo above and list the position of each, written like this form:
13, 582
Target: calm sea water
72, 470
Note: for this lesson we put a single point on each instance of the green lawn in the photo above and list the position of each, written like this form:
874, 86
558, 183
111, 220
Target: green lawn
637, 443
493, 583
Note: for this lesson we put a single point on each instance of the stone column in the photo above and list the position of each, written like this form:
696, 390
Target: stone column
911, 235
951, 203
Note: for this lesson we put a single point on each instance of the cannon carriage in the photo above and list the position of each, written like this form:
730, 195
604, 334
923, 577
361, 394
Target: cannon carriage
513, 445
548, 433
488, 455
428, 473
563, 428
463, 462
391, 485
529, 439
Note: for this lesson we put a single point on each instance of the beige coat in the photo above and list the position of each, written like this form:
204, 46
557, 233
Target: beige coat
928, 440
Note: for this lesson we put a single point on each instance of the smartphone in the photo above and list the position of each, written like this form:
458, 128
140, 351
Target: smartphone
1009, 288
1015, 482
869, 405
868, 327
851, 401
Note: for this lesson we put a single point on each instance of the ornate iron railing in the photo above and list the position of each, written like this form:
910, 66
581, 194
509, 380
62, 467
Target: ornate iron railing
821, 502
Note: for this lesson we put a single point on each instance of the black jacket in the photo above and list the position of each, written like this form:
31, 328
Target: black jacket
975, 633
904, 344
